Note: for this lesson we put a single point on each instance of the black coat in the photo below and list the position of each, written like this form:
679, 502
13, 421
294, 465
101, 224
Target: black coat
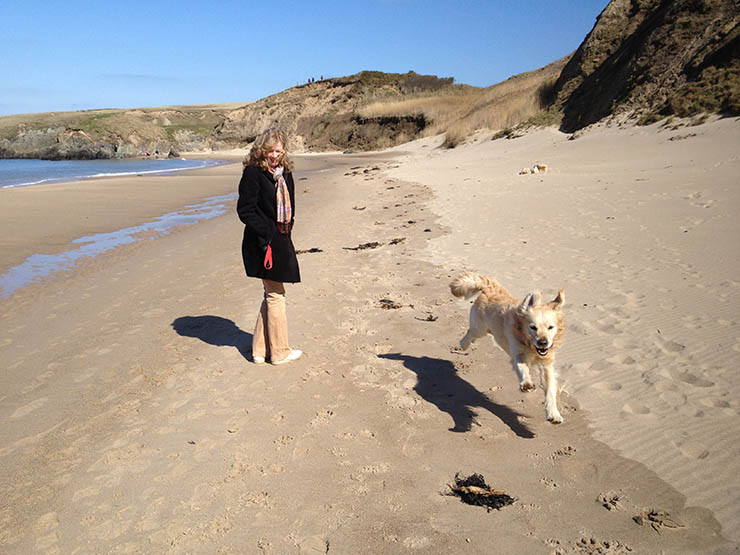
257, 209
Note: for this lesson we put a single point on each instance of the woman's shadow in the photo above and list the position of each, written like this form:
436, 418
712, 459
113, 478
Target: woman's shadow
439, 383
215, 330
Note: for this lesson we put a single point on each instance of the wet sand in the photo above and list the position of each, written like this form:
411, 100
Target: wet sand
135, 422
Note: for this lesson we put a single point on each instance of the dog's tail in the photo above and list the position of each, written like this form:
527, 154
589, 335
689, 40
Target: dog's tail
468, 284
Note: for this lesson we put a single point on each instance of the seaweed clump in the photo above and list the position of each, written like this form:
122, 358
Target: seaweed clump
473, 490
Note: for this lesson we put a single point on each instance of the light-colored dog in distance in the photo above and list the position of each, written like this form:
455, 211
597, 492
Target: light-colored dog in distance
529, 332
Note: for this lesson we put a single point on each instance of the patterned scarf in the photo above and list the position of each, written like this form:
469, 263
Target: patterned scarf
284, 210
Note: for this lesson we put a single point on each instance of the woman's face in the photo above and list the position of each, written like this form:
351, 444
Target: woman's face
275, 155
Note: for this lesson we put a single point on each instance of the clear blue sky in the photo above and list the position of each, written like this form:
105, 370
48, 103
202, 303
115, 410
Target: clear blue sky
75, 55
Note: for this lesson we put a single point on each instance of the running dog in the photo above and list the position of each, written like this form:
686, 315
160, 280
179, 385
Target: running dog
529, 332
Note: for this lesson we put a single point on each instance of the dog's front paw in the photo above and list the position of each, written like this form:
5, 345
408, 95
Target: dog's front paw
526, 386
555, 418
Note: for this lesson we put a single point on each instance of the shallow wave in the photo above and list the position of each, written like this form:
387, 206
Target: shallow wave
25, 173
39, 266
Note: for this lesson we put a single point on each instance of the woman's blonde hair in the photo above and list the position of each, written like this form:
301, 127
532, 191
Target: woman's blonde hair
263, 144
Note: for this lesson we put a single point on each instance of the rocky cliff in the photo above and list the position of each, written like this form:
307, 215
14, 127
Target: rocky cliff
92, 134
654, 58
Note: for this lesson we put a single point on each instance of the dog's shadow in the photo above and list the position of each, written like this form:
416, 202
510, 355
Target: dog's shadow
215, 330
439, 384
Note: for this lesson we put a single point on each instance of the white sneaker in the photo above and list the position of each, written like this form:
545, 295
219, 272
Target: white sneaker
295, 354
258, 360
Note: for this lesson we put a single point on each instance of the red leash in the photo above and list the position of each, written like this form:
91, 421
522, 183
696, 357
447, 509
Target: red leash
268, 258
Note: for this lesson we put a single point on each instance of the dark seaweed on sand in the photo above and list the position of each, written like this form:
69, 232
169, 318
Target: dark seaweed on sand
388, 304
363, 246
473, 490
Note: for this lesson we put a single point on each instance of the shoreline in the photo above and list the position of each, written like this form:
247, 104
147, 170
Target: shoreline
92, 206
129, 379
142, 171
39, 253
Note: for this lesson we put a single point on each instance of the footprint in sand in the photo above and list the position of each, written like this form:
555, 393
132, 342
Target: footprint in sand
153, 312
313, 544
86, 375
697, 199
30, 407
46, 523
715, 403
322, 418
416, 542
692, 449
691, 379
85, 492
48, 543
692, 322
150, 520
636, 408
40, 380
625, 360
380, 468
608, 325
46, 535
626, 344
607, 386
668, 346
673, 398
284, 440
113, 528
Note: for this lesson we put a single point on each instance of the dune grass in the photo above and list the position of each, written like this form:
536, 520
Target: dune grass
459, 112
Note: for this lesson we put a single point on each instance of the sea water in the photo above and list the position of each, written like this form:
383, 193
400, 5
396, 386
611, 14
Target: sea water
20, 173
39, 266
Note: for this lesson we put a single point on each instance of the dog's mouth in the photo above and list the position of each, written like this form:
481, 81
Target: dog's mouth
542, 351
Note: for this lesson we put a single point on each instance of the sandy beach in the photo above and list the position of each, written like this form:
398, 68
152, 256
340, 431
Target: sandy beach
134, 421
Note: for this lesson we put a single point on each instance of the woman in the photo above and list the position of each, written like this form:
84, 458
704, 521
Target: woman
266, 206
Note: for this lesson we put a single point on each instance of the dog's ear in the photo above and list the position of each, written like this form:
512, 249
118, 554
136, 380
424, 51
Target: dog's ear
558, 302
530, 301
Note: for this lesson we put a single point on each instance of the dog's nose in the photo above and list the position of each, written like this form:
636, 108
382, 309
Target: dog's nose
542, 342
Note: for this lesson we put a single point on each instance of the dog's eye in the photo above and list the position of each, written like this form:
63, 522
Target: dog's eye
550, 327
532, 326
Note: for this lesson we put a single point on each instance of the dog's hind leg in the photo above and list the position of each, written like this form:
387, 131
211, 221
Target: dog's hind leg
522, 372
468, 338
551, 395
475, 331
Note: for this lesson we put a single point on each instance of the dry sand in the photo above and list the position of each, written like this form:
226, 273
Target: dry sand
135, 423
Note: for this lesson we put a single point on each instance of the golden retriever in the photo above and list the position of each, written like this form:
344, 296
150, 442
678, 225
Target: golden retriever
529, 332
